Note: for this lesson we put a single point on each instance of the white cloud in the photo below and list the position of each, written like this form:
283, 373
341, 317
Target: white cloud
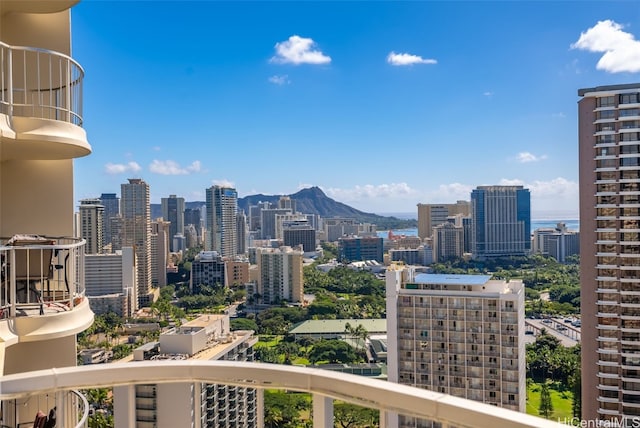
170, 167
223, 183
121, 168
526, 157
488, 94
279, 80
448, 193
299, 50
370, 191
559, 115
621, 50
156, 148
408, 59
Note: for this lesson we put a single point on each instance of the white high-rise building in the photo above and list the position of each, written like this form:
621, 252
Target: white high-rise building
222, 207
112, 282
457, 334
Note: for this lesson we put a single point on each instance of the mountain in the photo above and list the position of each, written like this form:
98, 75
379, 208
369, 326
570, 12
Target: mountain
312, 201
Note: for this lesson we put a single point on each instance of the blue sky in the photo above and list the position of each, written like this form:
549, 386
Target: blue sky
381, 104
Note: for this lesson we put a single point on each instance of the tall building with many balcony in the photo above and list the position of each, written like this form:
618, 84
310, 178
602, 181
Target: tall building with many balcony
92, 225
136, 232
173, 211
222, 206
461, 335
501, 221
279, 275
609, 153
42, 297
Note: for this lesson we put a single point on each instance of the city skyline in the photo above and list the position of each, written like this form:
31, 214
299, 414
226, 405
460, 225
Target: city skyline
390, 110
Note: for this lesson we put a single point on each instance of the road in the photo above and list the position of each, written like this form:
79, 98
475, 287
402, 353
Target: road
552, 328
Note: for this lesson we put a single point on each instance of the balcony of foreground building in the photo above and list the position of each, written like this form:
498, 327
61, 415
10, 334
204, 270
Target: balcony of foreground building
324, 386
42, 292
40, 105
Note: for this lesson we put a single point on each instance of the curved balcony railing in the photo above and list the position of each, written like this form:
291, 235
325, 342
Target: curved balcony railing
40, 83
40, 275
324, 386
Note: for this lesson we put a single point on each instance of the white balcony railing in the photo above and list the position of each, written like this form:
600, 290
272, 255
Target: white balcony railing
324, 386
40, 83
40, 275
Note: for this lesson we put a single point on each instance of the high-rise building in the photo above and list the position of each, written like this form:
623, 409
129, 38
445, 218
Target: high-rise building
111, 282
92, 225
609, 161
448, 242
136, 232
268, 221
222, 206
431, 215
160, 231
557, 242
111, 204
299, 233
192, 217
280, 275
43, 305
360, 248
501, 221
173, 211
242, 232
208, 269
461, 335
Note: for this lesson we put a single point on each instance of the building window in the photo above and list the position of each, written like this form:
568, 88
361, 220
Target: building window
606, 101
629, 98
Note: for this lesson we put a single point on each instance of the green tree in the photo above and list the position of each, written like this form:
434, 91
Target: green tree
243, 324
347, 415
333, 351
546, 405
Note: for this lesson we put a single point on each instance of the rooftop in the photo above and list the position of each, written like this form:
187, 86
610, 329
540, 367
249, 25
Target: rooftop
448, 279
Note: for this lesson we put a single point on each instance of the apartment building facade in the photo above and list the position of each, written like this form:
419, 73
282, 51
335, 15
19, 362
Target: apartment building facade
457, 334
609, 161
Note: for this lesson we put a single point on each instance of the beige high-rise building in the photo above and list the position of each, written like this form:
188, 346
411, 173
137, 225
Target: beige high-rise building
448, 242
135, 209
280, 275
431, 215
42, 294
609, 159
461, 335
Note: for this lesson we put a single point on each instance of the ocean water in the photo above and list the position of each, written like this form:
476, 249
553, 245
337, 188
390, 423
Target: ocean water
571, 224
